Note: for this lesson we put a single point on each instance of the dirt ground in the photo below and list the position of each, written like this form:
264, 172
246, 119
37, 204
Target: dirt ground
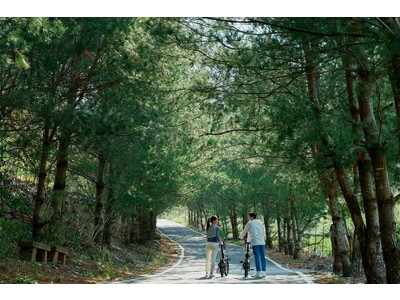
110, 265
319, 267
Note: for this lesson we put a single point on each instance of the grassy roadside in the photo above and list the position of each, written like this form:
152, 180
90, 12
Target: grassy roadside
95, 266
319, 267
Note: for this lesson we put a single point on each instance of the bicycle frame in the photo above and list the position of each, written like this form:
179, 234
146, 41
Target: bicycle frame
223, 265
246, 262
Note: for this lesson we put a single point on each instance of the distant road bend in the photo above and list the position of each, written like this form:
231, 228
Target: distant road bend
189, 268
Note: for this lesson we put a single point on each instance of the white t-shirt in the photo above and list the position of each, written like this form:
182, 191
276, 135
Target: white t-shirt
256, 232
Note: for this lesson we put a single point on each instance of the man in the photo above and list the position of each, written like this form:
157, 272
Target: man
256, 232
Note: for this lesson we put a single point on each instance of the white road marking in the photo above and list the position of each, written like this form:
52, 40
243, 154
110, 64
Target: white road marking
302, 275
182, 255
306, 279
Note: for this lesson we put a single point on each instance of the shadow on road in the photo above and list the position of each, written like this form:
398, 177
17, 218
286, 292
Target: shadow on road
191, 266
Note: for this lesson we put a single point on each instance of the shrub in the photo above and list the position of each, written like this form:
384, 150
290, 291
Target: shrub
11, 232
25, 280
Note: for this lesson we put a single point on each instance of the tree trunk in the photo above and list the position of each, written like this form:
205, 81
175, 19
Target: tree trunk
109, 212
280, 238
285, 235
142, 224
296, 240
153, 228
356, 216
189, 216
244, 218
268, 241
392, 30
337, 261
369, 239
341, 243
355, 256
134, 226
296, 230
377, 153
146, 224
203, 225
198, 218
234, 223
349, 235
37, 222
224, 225
193, 217
125, 229
100, 185
340, 233
109, 221
59, 193
327, 185
373, 262
289, 235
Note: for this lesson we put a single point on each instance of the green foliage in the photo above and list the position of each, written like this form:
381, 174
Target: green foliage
109, 272
11, 232
87, 274
25, 280
159, 260
212, 115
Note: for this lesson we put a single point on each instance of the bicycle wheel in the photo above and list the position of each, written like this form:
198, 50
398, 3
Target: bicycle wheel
221, 266
246, 268
227, 267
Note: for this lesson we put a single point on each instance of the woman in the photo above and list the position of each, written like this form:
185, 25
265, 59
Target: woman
212, 248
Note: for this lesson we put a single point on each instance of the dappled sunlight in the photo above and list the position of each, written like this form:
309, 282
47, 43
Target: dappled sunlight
191, 269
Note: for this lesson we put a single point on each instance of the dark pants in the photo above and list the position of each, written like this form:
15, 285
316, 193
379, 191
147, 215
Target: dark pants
259, 257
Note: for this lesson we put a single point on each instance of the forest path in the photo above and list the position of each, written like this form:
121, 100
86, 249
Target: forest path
189, 268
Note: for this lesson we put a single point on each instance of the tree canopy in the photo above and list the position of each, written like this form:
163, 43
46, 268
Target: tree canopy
110, 122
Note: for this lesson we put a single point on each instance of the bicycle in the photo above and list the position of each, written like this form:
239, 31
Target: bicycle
223, 265
246, 262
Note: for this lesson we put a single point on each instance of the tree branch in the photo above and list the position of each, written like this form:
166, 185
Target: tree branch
232, 130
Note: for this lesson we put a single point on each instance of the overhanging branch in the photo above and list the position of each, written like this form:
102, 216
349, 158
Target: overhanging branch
232, 130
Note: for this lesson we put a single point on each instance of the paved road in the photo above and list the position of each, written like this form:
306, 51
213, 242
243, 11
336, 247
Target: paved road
190, 267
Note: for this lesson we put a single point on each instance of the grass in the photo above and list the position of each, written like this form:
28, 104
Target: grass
332, 279
25, 280
117, 263
87, 274
159, 260
110, 272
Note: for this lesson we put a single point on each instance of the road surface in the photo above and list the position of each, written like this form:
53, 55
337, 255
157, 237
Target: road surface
190, 266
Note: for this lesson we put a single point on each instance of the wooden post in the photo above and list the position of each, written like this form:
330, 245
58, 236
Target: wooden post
59, 254
55, 257
34, 252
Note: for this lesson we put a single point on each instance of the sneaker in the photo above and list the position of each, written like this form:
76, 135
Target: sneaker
257, 275
211, 276
263, 274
